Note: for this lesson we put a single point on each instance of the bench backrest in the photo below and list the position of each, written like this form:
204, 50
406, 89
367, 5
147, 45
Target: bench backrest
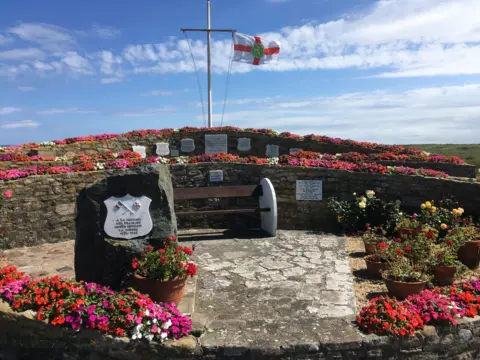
217, 192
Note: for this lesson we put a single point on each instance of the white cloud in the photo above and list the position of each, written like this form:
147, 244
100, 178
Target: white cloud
9, 110
76, 63
48, 36
5, 39
105, 32
56, 111
148, 112
19, 54
158, 93
427, 115
26, 88
111, 80
19, 124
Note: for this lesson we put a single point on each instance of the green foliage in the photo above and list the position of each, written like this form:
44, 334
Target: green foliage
402, 269
469, 152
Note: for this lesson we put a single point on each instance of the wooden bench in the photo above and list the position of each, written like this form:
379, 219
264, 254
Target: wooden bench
264, 193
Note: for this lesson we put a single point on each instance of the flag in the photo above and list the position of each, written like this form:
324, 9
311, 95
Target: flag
254, 50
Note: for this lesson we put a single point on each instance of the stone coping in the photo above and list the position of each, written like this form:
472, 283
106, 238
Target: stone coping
24, 338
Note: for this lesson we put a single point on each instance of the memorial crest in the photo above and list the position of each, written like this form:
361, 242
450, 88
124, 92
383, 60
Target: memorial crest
128, 217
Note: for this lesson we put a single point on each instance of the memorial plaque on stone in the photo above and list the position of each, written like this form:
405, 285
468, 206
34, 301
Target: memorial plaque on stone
141, 150
273, 151
174, 152
244, 144
309, 190
216, 144
187, 145
128, 217
216, 176
163, 149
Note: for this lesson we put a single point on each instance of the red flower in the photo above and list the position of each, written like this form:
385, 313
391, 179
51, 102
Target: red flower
119, 332
450, 242
399, 252
382, 245
191, 269
408, 248
187, 251
430, 234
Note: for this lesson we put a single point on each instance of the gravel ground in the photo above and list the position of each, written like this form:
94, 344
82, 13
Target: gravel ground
367, 288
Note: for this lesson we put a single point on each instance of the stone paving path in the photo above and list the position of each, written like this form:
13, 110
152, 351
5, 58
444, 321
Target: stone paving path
296, 288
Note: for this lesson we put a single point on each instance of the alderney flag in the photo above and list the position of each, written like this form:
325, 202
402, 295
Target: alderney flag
254, 50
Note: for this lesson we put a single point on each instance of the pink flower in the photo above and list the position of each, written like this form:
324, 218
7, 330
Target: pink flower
8, 194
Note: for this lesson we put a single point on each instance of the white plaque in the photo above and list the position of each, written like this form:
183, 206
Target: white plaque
309, 190
244, 144
128, 217
187, 145
216, 175
141, 150
295, 150
163, 149
216, 144
273, 151
174, 153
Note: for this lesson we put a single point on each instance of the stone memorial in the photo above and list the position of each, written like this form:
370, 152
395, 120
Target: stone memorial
215, 144
163, 149
244, 144
174, 153
187, 145
117, 217
216, 175
309, 190
273, 151
142, 150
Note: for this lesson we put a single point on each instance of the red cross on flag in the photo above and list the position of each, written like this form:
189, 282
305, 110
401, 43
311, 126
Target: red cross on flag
254, 50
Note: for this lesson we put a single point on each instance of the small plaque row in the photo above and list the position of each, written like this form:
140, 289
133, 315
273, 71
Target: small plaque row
214, 144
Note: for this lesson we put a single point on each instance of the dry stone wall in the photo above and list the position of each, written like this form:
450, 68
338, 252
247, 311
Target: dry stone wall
43, 207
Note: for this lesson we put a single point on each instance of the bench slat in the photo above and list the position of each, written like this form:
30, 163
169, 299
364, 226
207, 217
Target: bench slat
214, 192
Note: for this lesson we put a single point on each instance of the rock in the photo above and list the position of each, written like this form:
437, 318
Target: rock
105, 260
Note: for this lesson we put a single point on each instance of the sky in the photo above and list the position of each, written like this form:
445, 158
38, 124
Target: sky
390, 71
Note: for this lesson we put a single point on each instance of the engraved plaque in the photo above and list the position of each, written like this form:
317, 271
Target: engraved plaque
187, 145
244, 144
215, 144
309, 190
273, 151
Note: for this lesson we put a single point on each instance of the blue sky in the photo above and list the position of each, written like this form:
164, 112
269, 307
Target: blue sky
391, 71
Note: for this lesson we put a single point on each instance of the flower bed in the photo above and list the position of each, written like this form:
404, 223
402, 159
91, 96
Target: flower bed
439, 306
396, 149
122, 163
77, 305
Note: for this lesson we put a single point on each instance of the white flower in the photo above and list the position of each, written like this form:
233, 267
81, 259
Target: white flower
273, 161
147, 313
362, 205
163, 335
363, 199
138, 327
149, 322
134, 336
155, 321
354, 194
370, 193
149, 337
167, 324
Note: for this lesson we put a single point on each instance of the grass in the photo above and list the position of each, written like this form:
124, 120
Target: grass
468, 152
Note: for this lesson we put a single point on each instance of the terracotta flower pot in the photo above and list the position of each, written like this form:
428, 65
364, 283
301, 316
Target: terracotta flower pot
369, 247
374, 269
401, 290
469, 254
444, 274
161, 291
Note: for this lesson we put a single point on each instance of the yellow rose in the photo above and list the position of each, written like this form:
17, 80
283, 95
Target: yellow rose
370, 193
363, 199
455, 212
428, 204
362, 205
460, 210
444, 226
339, 218
422, 206
434, 209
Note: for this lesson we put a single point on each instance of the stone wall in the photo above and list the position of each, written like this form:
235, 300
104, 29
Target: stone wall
43, 207
22, 338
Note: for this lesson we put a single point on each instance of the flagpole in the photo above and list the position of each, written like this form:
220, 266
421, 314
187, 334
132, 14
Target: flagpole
209, 31
209, 64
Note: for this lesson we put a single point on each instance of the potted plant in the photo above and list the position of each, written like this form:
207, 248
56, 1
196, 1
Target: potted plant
162, 273
469, 251
410, 225
403, 278
444, 262
379, 260
371, 238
